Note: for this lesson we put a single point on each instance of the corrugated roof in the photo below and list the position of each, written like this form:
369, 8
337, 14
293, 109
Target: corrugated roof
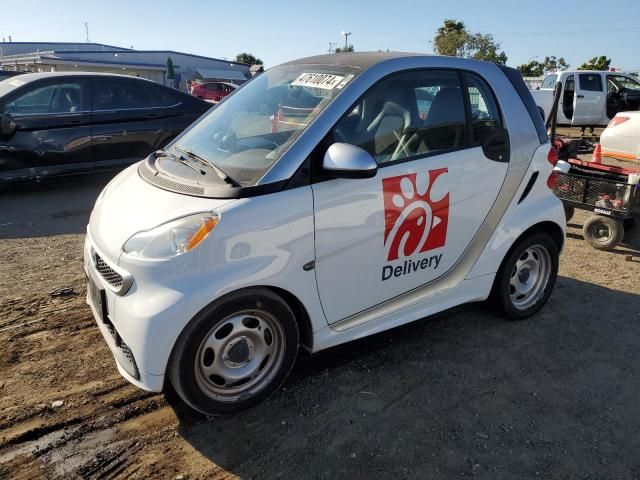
219, 73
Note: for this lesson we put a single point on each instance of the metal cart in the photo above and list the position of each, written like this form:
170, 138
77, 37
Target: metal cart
608, 195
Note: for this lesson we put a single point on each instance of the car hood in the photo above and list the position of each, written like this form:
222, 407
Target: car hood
129, 204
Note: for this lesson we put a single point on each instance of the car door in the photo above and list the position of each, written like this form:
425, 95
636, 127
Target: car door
590, 100
52, 134
378, 238
128, 123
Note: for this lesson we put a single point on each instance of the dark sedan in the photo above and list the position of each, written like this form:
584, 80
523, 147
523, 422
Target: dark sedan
68, 123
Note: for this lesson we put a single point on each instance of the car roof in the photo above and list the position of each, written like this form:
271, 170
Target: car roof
361, 60
32, 77
220, 83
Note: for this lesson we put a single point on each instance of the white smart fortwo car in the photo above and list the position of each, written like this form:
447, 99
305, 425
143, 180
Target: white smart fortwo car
328, 199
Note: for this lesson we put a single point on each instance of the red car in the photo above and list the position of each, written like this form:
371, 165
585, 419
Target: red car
212, 91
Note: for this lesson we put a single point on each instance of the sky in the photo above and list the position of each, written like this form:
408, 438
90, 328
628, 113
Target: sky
281, 30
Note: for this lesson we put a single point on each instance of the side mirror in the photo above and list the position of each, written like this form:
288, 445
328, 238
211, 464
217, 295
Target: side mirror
7, 124
496, 146
343, 160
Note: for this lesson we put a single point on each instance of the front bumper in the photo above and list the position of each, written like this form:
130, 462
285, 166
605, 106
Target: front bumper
103, 306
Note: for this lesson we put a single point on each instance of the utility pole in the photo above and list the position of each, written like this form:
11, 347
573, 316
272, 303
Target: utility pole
331, 45
86, 30
346, 36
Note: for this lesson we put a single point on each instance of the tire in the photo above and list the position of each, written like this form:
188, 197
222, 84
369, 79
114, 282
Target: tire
569, 212
603, 233
526, 277
235, 352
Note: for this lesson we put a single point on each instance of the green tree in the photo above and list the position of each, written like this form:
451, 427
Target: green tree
453, 39
537, 69
484, 47
170, 70
531, 69
553, 63
596, 63
248, 59
349, 48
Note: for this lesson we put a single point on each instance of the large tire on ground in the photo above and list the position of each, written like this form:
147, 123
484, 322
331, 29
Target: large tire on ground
603, 233
235, 352
526, 277
569, 211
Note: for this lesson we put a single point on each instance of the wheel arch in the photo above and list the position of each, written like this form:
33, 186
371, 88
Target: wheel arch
551, 228
300, 313
303, 320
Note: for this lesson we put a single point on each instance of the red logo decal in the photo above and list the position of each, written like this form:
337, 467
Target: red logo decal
414, 221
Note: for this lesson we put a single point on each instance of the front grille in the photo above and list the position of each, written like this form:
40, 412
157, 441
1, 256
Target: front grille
112, 277
123, 354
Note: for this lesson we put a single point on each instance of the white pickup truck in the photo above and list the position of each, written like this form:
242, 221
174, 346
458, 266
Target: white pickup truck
588, 98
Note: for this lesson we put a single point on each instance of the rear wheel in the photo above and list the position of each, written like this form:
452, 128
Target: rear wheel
526, 277
603, 233
235, 352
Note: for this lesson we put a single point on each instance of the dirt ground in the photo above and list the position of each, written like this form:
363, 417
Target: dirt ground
465, 393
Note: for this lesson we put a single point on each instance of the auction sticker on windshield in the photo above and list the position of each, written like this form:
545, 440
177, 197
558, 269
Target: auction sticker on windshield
326, 81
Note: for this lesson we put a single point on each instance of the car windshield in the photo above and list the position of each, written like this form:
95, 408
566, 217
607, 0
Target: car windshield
252, 128
549, 81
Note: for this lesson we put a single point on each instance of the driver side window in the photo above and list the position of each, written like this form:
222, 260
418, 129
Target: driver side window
407, 115
67, 97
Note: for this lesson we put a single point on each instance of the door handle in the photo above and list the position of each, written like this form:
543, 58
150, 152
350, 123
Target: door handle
103, 138
580, 96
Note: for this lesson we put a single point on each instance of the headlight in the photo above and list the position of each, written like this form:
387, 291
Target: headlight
172, 238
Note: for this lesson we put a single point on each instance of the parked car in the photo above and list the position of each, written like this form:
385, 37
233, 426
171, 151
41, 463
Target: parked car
212, 91
69, 123
589, 98
212, 262
621, 139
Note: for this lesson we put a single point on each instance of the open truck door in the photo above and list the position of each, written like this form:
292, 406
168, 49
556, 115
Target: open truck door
589, 100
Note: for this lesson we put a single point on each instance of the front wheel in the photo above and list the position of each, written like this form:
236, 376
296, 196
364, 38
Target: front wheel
526, 277
235, 352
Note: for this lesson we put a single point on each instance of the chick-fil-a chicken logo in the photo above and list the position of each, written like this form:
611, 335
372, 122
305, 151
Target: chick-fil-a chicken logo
415, 222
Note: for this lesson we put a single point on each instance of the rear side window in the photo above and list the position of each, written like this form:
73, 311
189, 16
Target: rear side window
485, 117
590, 82
164, 97
56, 98
120, 95
406, 115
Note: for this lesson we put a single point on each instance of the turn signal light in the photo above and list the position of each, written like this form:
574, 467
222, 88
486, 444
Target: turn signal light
202, 233
617, 121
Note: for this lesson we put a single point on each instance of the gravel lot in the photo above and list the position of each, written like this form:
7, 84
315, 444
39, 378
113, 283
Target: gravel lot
465, 393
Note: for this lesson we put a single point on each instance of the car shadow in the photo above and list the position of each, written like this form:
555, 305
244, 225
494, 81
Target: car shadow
49, 207
460, 393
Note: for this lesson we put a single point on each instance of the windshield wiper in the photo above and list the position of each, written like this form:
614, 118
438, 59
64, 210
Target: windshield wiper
221, 173
182, 160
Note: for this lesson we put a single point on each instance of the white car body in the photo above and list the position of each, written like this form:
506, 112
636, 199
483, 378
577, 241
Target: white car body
584, 106
322, 245
621, 139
